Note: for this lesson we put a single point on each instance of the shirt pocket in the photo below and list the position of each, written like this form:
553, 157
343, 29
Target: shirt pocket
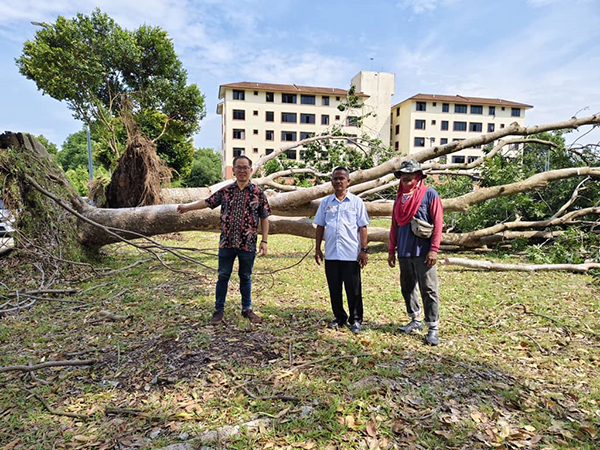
350, 216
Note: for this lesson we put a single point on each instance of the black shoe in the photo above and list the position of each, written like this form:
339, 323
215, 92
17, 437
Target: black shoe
432, 337
334, 325
216, 318
412, 326
356, 327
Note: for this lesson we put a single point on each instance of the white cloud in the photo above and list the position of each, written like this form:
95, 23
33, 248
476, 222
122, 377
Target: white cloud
423, 6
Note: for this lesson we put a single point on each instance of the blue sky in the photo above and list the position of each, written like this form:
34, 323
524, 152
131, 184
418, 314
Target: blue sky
544, 53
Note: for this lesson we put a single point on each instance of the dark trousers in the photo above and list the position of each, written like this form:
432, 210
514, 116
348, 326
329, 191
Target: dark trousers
348, 274
246, 262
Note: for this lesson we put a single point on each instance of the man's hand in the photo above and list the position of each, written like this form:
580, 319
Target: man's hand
431, 259
363, 259
318, 256
392, 259
182, 209
262, 250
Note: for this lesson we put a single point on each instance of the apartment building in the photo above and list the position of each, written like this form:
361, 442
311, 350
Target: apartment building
258, 118
425, 120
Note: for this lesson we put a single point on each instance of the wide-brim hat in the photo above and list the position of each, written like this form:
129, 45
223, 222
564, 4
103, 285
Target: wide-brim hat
410, 166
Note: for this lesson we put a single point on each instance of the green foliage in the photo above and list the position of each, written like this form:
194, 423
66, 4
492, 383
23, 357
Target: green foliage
50, 147
573, 247
206, 169
74, 151
531, 206
175, 146
102, 70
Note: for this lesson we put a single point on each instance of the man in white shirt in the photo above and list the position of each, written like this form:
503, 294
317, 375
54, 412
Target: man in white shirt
342, 219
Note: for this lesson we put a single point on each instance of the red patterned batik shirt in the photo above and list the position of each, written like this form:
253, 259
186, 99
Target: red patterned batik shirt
240, 211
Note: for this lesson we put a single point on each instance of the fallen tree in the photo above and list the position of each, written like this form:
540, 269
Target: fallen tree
51, 200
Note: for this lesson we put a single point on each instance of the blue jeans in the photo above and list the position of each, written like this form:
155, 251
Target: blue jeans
246, 262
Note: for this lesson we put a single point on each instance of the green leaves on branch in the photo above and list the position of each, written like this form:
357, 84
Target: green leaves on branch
102, 70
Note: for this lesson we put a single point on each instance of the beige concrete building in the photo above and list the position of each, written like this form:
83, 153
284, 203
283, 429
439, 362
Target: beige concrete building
258, 118
426, 120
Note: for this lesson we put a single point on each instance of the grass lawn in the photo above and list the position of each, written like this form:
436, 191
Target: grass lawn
517, 364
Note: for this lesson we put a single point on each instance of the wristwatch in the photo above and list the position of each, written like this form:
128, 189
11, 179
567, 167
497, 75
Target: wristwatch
364, 249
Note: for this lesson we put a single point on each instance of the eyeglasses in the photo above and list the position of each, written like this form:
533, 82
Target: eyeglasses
243, 168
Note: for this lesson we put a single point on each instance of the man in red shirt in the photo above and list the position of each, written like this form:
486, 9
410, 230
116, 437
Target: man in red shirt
417, 255
244, 208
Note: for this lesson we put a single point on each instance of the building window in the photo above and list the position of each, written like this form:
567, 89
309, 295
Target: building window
238, 151
239, 134
324, 119
307, 99
255, 92
337, 99
255, 150
397, 129
307, 118
306, 135
325, 100
269, 135
397, 112
460, 126
291, 154
255, 131
433, 122
434, 104
270, 97
337, 117
501, 125
288, 135
475, 126
269, 116
268, 151
421, 106
491, 127
444, 125
443, 141
351, 121
472, 159
239, 114
255, 112
462, 109
419, 124
396, 146
419, 142
431, 141
288, 117
515, 112
458, 159
476, 109
239, 95
445, 107
492, 110
288, 98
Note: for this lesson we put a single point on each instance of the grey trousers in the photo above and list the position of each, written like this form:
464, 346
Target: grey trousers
417, 276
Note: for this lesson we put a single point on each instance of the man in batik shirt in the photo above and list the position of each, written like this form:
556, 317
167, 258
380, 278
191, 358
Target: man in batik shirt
244, 209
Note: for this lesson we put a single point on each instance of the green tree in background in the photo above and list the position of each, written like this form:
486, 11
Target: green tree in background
74, 153
102, 71
206, 169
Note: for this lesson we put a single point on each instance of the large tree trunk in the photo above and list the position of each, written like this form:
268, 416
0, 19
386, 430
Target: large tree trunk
30, 175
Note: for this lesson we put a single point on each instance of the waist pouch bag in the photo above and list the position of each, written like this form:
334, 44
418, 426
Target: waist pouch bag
420, 228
